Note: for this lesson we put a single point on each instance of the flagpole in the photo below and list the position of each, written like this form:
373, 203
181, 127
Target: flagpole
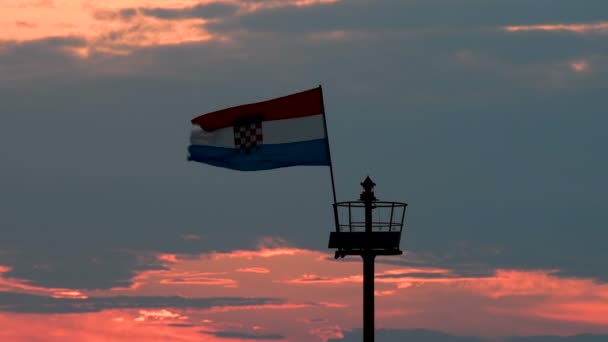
331, 167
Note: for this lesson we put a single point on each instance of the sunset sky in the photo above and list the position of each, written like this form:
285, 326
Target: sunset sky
487, 117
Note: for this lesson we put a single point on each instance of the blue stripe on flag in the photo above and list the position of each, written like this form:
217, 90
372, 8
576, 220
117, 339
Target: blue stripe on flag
271, 156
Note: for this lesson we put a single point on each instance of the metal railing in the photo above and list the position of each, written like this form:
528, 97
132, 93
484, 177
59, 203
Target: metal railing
386, 216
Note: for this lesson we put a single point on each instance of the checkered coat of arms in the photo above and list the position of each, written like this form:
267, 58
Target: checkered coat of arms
248, 134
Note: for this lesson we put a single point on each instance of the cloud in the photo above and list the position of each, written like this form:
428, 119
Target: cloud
577, 338
433, 71
244, 335
389, 335
35, 3
600, 27
204, 11
199, 278
580, 66
24, 24
261, 253
181, 325
390, 15
122, 28
421, 273
260, 270
22, 61
124, 14
494, 137
25, 303
91, 269
310, 284
513, 102
400, 335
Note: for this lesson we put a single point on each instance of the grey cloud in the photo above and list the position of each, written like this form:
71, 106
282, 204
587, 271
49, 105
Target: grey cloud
77, 266
47, 57
313, 279
500, 168
244, 335
459, 265
395, 14
415, 275
418, 335
124, 14
127, 13
181, 325
205, 11
316, 320
576, 338
26, 303
421, 335
25, 24
42, 46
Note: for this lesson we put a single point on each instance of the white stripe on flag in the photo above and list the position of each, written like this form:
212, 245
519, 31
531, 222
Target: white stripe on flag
275, 132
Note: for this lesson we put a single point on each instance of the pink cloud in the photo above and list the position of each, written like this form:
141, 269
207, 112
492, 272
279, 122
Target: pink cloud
261, 253
158, 315
197, 278
70, 294
260, 270
318, 298
600, 27
580, 66
168, 257
589, 311
23, 286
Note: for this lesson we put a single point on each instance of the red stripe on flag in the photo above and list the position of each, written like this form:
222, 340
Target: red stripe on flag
297, 105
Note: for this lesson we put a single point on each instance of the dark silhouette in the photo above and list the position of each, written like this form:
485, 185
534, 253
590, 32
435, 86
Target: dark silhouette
368, 238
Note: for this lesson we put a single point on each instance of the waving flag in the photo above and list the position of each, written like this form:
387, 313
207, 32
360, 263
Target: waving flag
281, 132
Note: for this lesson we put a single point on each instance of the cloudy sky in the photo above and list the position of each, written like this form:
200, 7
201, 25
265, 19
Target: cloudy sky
486, 116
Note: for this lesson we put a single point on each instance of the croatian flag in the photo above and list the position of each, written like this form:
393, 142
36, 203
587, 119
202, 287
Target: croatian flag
281, 132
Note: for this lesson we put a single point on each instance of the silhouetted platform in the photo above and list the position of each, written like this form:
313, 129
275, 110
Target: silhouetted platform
367, 226
383, 243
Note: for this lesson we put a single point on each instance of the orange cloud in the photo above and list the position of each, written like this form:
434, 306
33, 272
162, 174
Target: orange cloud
34, 3
120, 26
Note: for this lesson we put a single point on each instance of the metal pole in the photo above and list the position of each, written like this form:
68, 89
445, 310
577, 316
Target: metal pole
368, 296
368, 265
331, 166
